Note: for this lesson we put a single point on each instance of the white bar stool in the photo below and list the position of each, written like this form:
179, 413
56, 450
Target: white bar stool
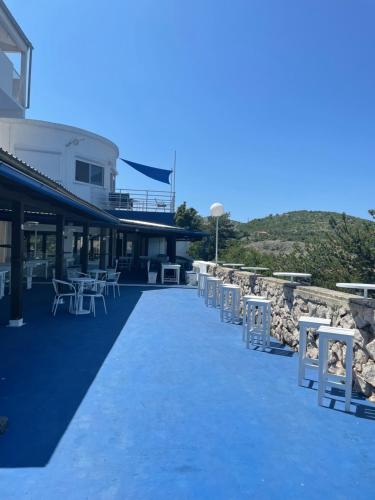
245, 299
258, 328
230, 300
210, 291
219, 290
306, 323
202, 283
326, 335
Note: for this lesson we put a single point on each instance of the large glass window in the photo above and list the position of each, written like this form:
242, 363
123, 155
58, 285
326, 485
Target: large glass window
82, 171
92, 174
96, 175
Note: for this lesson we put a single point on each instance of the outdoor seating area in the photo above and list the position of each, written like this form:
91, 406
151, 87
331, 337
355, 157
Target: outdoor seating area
255, 314
133, 393
96, 284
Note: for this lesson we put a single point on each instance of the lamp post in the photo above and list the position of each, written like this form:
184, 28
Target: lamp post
217, 210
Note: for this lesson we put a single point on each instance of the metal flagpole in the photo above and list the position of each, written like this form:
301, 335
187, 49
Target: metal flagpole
174, 181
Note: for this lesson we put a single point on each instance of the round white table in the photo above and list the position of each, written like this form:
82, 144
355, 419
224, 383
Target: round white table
254, 269
292, 275
81, 282
232, 265
358, 286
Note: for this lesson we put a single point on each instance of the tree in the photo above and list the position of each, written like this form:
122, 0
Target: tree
348, 254
205, 249
188, 218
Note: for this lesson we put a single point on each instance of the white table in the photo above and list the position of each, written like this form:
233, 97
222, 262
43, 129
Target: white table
254, 269
80, 283
232, 265
175, 278
292, 275
358, 286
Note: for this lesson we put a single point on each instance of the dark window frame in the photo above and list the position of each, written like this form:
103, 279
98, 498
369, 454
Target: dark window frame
91, 175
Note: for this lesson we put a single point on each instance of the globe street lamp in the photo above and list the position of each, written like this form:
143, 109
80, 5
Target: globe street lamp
217, 210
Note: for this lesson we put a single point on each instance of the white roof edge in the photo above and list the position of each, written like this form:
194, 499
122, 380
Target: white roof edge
147, 223
61, 126
16, 26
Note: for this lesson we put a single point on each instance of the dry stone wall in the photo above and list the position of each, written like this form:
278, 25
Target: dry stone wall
290, 301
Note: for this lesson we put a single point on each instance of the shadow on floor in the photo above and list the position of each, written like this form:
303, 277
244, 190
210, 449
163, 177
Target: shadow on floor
46, 368
334, 400
276, 348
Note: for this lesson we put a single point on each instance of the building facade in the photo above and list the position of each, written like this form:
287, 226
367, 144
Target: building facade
84, 164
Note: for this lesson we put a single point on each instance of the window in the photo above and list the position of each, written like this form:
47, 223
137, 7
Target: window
91, 174
82, 171
96, 175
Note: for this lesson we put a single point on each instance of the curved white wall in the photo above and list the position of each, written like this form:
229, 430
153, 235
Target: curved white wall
53, 149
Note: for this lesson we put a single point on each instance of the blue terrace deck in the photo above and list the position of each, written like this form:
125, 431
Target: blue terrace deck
159, 400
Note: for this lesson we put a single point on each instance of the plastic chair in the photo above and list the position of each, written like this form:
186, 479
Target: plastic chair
112, 282
63, 289
96, 293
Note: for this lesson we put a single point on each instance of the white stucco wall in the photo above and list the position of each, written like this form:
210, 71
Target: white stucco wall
53, 149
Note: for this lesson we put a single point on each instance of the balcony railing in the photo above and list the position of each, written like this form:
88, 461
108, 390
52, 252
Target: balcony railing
138, 200
11, 81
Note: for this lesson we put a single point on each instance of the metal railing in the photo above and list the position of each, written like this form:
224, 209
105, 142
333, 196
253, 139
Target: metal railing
140, 200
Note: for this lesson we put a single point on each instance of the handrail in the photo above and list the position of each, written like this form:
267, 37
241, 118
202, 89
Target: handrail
141, 200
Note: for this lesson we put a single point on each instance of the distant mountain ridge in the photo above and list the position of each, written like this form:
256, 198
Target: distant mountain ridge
297, 226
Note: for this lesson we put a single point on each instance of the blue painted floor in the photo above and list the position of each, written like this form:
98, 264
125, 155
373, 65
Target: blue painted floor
159, 400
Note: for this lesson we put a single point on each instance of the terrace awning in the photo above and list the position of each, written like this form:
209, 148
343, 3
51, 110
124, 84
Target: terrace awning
158, 174
18, 177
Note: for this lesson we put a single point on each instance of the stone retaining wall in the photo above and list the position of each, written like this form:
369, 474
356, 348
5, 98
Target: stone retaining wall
290, 301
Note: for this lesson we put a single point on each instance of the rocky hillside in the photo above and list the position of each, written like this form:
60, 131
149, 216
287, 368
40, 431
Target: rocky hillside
297, 226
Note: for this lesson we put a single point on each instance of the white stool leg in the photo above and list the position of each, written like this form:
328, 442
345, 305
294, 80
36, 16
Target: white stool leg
268, 325
244, 322
222, 304
302, 352
214, 293
348, 374
323, 345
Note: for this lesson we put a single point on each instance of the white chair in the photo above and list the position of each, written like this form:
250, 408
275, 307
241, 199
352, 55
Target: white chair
328, 334
112, 282
307, 323
230, 300
111, 270
96, 293
63, 289
245, 319
258, 328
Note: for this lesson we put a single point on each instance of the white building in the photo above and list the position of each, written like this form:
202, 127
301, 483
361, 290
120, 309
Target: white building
83, 162
15, 66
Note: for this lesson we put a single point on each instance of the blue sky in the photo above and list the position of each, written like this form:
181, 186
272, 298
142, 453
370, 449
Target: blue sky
270, 104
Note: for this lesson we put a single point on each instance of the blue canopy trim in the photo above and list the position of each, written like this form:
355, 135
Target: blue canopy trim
159, 174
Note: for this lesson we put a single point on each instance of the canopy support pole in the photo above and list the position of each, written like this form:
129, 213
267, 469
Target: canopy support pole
16, 297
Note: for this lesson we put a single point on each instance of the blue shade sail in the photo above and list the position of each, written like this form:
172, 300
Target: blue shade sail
159, 174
